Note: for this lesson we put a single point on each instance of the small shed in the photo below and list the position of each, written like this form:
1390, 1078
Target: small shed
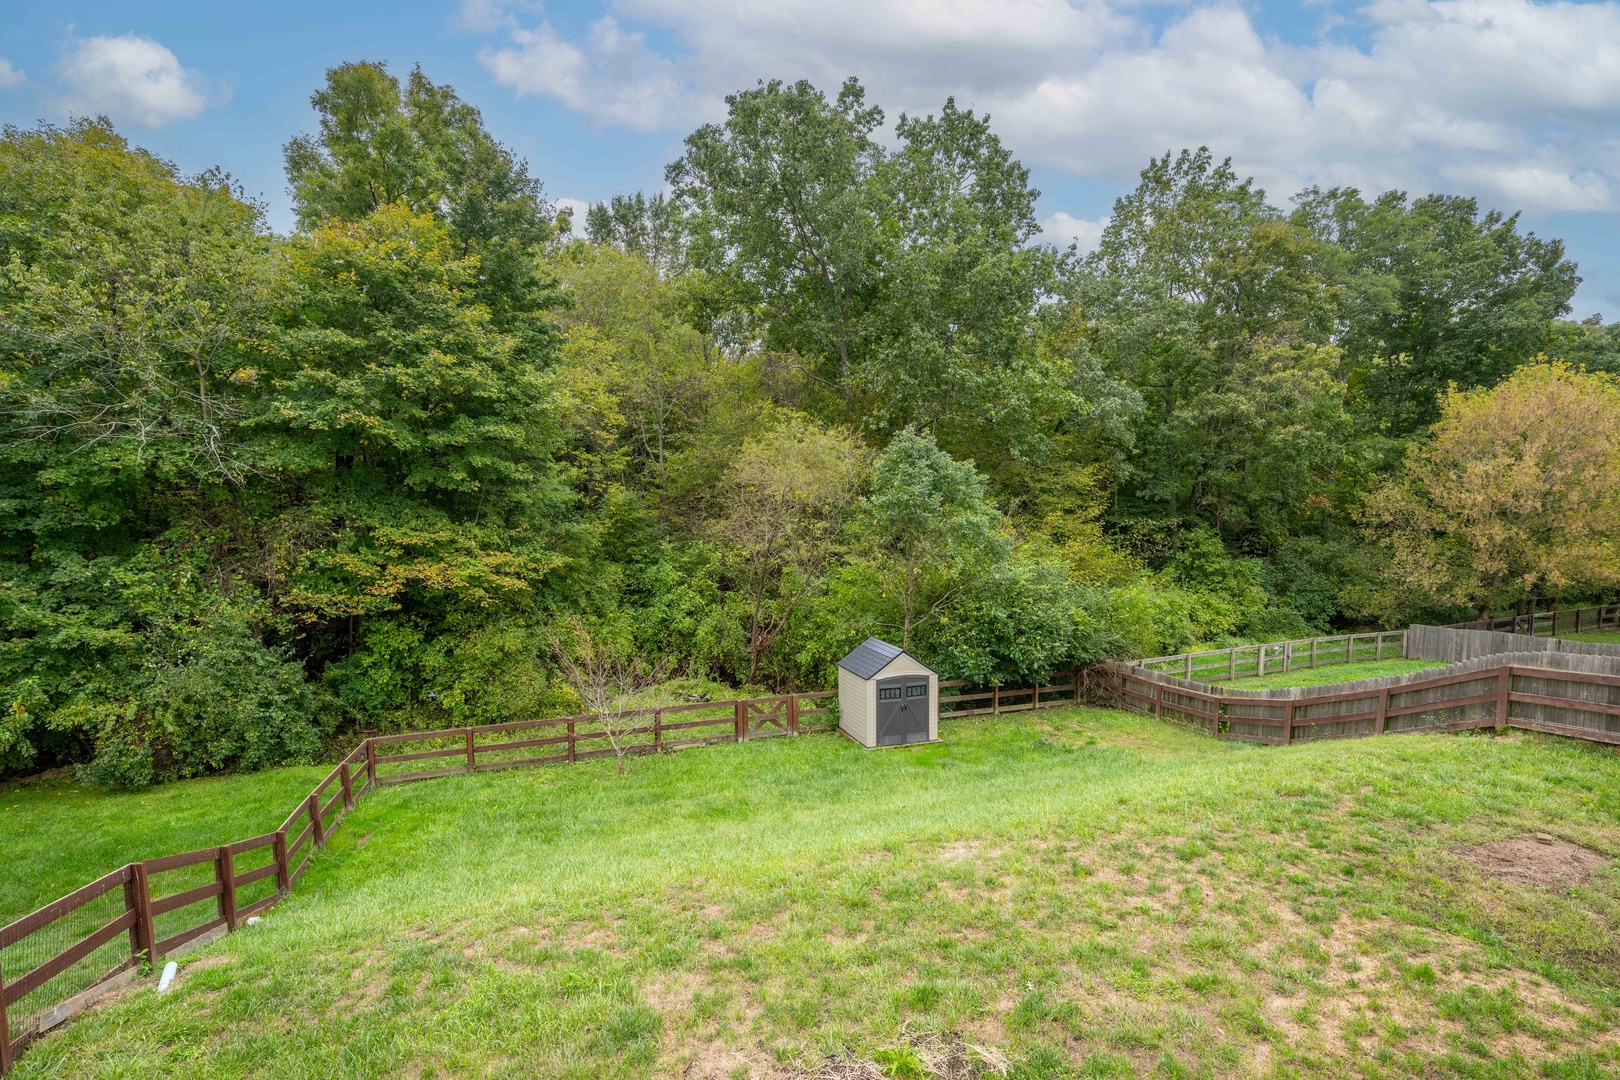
886, 696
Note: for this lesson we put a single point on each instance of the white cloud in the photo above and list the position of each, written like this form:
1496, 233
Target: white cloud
1551, 188
1514, 100
1064, 229
132, 79
611, 76
9, 76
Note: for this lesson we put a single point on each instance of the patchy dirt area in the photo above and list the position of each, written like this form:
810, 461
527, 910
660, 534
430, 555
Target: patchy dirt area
1537, 859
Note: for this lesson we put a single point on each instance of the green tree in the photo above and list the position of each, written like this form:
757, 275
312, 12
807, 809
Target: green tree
1217, 312
928, 526
132, 307
425, 149
905, 279
784, 216
787, 497
1435, 292
419, 428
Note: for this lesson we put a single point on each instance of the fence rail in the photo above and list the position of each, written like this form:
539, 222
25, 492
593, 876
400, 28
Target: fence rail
56, 961
1272, 658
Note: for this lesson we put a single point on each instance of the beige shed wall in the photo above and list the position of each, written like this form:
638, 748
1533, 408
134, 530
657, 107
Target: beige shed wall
857, 708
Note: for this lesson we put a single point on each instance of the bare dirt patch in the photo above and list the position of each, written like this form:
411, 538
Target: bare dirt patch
1538, 859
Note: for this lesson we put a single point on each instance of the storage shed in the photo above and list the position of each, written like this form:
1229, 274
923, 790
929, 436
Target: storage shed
886, 696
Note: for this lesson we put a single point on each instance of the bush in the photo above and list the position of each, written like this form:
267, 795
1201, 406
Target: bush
211, 698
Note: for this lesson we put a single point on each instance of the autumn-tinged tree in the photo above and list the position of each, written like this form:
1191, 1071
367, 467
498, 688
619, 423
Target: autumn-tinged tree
787, 496
1516, 491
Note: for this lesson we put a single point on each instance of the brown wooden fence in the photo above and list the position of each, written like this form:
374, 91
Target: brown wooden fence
1557, 693
83, 945
1549, 623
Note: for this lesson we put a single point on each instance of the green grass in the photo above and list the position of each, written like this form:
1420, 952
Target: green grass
1085, 892
1329, 674
60, 835
1608, 637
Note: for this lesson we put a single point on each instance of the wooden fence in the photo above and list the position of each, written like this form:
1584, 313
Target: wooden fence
1568, 694
1253, 661
83, 945
1455, 644
1549, 623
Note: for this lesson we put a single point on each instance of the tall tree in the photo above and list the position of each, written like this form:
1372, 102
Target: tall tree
784, 215
1435, 292
927, 526
906, 278
427, 150
1218, 313
787, 497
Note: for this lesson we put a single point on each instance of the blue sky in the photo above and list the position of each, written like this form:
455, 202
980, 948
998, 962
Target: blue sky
1513, 101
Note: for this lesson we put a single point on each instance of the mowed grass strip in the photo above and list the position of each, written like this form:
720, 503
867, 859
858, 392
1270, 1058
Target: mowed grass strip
1331, 674
1085, 892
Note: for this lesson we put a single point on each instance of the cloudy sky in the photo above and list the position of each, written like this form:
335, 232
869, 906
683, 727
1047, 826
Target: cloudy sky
1513, 101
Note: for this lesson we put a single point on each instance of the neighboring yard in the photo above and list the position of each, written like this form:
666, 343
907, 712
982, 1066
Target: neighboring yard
1611, 637
1081, 892
1330, 673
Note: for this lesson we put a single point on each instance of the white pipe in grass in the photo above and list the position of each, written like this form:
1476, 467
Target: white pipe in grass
169, 971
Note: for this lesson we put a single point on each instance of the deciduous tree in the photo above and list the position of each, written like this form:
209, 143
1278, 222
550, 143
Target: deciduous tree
1516, 491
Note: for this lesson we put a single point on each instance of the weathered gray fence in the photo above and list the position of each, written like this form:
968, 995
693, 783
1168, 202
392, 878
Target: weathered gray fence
1452, 644
1560, 693
1252, 661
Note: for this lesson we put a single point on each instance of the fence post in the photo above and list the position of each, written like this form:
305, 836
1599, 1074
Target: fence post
739, 714
283, 871
5, 1031
1313, 651
1158, 699
317, 826
371, 765
225, 872
1504, 685
1383, 709
995, 700
571, 742
470, 750
1288, 721
793, 713
347, 781
1231, 664
138, 895
1189, 667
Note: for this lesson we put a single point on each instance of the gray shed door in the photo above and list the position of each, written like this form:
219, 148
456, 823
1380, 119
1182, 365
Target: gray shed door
902, 710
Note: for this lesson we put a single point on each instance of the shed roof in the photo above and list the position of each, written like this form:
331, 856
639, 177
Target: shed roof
871, 656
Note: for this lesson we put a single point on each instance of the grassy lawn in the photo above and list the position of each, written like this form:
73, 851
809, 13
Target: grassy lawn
1081, 893
1610, 637
58, 836
1332, 673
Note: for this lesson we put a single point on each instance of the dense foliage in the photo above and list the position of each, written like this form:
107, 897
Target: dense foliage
258, 489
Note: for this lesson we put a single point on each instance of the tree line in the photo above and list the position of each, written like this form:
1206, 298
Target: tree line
405, 466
